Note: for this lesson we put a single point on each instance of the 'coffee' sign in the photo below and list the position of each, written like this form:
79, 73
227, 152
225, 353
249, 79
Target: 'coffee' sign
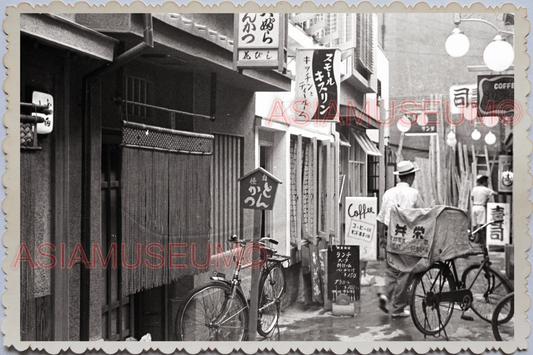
258, 189
495, 95
361, 225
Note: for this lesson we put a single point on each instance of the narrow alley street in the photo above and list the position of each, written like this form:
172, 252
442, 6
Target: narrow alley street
312, 322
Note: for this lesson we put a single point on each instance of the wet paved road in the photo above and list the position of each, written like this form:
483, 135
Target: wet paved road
301, 322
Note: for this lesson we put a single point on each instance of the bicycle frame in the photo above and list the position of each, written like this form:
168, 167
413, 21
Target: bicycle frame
459, 288
235, 285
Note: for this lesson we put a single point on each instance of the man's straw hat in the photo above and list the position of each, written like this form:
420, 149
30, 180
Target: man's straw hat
405, 167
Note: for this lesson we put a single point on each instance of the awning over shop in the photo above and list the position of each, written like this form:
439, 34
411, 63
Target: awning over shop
344, 141
365, 143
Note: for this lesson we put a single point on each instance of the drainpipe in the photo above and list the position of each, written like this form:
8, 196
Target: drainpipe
87, 171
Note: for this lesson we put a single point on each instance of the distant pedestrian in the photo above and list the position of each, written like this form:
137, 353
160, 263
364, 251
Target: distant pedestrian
480, 196
404, 196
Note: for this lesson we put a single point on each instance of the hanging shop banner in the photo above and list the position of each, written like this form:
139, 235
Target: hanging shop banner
317, 85
496, 95
498, 234
260, 41
505, 173
361, 225
463, 99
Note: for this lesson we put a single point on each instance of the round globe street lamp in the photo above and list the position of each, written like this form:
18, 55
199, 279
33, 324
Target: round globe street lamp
457, 43
499, 54
404, 124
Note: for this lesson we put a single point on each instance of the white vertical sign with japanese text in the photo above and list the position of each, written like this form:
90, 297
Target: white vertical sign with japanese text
317, 85
463, 99
361, 225
498, 234
259, 40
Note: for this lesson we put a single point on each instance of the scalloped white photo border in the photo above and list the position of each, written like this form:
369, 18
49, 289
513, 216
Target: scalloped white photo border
10, 325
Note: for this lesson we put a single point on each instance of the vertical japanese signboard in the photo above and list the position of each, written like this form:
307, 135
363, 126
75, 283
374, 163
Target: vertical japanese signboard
505, 173
361, 225
258, 190
463, 100
498, 234
344, 272
317, 84
260, 41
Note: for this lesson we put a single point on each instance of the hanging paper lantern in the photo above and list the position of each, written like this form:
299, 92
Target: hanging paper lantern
490, 138
451, 135
490, 121
451, 142
422, 119
476, 134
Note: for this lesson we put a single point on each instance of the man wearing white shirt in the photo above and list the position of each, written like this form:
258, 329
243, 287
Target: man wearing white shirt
404, 196
480, 195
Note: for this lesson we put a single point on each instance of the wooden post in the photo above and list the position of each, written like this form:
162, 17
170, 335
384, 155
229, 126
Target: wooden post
474, 166
399, 156
254, 287
461, 157
314, 189
440, 187
467, 163
257, 191
299, 189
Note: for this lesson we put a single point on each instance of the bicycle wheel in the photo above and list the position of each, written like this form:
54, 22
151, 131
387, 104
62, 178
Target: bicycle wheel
431, 318
488, 288
208, 314
502, 319
271, 287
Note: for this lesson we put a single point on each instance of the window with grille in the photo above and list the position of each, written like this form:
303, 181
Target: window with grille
227, 168
373, 174
364, 44
357, 172
139, 91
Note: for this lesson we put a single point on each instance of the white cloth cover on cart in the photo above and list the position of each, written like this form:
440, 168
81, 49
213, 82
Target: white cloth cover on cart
419, 237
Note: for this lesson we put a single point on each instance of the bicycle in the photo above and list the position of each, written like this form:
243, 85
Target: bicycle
219, 310
502, 319
435, 291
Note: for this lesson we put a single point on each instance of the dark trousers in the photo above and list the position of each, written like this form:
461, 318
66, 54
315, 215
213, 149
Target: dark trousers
396, 288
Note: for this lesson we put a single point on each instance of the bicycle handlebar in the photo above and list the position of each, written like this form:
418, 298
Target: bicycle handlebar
235, 239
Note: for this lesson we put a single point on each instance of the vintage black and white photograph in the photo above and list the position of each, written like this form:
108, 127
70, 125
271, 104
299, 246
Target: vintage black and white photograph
321, 176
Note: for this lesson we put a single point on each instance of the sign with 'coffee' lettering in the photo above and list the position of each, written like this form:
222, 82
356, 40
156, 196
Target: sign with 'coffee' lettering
361, 225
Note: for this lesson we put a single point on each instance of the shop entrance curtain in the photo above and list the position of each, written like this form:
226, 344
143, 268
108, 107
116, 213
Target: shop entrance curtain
165, 205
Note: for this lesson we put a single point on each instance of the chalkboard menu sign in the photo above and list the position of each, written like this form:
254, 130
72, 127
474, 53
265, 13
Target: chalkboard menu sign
344, 272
